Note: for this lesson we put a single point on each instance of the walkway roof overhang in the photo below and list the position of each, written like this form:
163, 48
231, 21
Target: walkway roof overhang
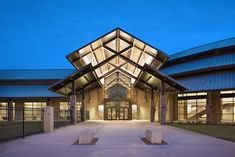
84, 79
117, 51
152, 78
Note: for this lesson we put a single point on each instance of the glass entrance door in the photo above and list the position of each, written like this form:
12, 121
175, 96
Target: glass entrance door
117, 110
124, 113
112, 113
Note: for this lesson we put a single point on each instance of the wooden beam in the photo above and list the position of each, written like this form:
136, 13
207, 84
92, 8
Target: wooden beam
96, 59
124, 82
111, 81
111, 71
155, 57
112, 57
125, 58
142, 53
80, 57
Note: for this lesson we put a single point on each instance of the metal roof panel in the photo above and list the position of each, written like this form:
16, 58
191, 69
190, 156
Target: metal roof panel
31, 74
203, 63
215, 80
207, 47
30, 91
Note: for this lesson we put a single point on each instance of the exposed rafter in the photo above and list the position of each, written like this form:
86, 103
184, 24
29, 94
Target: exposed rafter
116, 51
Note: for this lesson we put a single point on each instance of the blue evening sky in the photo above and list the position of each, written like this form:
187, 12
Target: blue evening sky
39, 33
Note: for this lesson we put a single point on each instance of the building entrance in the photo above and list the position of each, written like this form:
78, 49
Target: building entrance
117, 110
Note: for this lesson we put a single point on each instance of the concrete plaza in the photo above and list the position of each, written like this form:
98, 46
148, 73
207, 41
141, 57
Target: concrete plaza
118, 139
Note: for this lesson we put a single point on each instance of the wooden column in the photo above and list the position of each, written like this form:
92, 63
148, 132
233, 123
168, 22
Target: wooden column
152, 108
72, 104
19, 104
10, 110
49, 102
208, 108
213, 107
82, 108
163, 106
175, 107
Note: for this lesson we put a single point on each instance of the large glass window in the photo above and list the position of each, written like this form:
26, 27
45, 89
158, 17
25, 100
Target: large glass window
7, 112
78, 110
182, 113
64, 111
192, 106
228, 106
33, 110
101, 111
134, 112
3, 111
117, 91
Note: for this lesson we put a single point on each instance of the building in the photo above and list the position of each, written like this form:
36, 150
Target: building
120, 77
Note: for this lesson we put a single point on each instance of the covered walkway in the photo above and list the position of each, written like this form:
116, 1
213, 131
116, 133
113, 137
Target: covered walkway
118, 139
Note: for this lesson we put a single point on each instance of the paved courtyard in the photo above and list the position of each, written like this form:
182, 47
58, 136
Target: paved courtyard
118, 139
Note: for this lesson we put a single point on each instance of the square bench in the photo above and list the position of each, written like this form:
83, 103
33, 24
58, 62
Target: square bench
154, 136
85, 136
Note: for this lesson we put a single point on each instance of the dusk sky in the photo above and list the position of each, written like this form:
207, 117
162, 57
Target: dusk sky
38, 34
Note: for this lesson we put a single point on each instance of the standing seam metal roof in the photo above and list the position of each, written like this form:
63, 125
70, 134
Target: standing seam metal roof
216, 80
26, 91
30, 74
203, 63
199, 49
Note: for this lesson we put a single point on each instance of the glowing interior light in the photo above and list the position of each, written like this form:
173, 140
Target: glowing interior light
132, 80
86, 60
148, 60
102, 80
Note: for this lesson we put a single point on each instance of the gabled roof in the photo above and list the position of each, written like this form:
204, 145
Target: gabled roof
117, 51
204, 48
113, 50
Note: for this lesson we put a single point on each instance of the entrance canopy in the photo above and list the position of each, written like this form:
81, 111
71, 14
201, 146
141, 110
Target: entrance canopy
116, 51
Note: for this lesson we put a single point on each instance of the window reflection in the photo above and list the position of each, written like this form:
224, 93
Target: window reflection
227, 106
33, 110
192, 107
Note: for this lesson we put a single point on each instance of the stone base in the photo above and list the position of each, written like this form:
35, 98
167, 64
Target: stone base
154, 136
85, 136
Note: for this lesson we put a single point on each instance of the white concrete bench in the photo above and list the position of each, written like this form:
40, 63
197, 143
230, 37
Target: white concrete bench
154, 136
85, 136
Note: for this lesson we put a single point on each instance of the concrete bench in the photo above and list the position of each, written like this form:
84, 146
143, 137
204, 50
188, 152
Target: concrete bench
154, 136
85, 136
